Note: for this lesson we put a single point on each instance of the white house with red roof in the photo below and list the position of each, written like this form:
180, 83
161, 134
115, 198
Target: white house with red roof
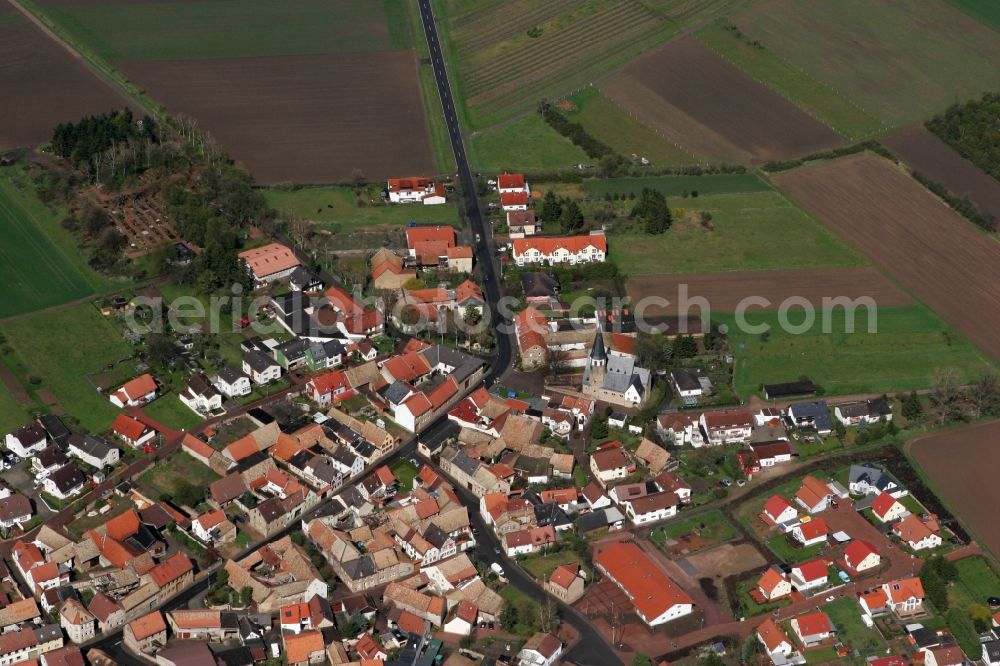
135, 392
510, 183
807, 575
811, 532
774, 584
133, 432
329, 388
812, 628
779, 511
727, 426
904, 596
270, 262
591, 248
512, 201
416, 189
860, 555
887, 508
776, 642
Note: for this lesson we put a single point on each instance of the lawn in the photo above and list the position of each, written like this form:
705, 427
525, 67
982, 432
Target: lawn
82, 524
162, 477
232, 28
173, 413
625, 134
910, 345
711, 526
405, 472
59, 349
903, 62
12, 414
527, 144
541, 565
846, 616
677, 186
749, 605
337, 209
527, 611
984, 11
977, 581
752, 231
789, 80
786, 552
40, 262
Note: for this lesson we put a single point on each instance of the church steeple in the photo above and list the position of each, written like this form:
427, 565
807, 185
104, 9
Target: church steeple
598, 354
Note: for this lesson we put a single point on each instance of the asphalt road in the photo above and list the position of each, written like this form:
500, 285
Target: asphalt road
485, 258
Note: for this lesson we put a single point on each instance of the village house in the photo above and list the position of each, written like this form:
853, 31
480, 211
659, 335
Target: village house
15, 511
213, 527
135, 392
808, 575
329, 388
313, 614
147, 634
680, 429
774, 584
79, 623
522, 223
92, 450
65, 482
511, 183
417, 189
515, 201
918, 534
944, 655
691, 384
108, 612
18, 613
656, 598
775, 641
812, 628
867, 479
815, 495
566, 583
26, 440
200, 396
133, 432
232, 382
304, 648
727, 426
270, 262
528, 540
779, 511
203, 624
609, 465
813, 415
261, 368
278, 574
572, 250
905, 596
863, 411
887, 508
861, 555
542, 649
810, 532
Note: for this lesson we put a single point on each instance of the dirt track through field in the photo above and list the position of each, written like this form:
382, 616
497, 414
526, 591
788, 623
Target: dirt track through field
725, 291
922, 151
929, 249
310, 118
962, 465
44, 84
736, 114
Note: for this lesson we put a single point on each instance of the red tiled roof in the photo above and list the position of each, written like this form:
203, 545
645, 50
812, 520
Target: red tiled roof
412, 183
729, 418
857, 551
564, 575
812, 570
509, 181
812, 624
423, 234
652, 592
196, 446
268, 259
814, 529
329, 382
147, 625
770, 579
515, 199
138, 387
608, 459
905, 588
171, 569
128, 427
546, 245
883, 503
123, 525
418, 404
772, 635
300, 647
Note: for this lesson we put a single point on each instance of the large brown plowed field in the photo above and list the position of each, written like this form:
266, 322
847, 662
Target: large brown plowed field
922, 151
942, 258
962, 466
725, 291
689, 78
309, 118
43, 85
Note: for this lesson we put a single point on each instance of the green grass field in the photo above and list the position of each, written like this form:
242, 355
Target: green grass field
846, 616
60, 348
711, 526
405, 472
233, 28
677, 186
12, 414
608, 122
984, 11
790, 81
171, 412
753, 231
336, 209
910, 345
541, 565
783, 548
977, 581
527, 144
162, 476
40, 263
903, 62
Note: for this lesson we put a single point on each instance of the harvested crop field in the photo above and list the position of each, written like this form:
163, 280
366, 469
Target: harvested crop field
725, 291
288, 118
712, 109
961, 466
922, 151
43, 84
921, 243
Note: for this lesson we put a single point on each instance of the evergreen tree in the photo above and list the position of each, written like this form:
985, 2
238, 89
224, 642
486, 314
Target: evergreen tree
551, 208
652, 210
572, 217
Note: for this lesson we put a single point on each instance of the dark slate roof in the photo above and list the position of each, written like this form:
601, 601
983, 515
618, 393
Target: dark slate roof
54, 427
396, 392
789, 389
816, 410
90, 445
597, 350
539, 285
435, 535
294, 348
67, 477
364, 448
465, 463
51, 456
323, 469
687, 378
345, 456
259, 361
550, 513
231, 374
360, 568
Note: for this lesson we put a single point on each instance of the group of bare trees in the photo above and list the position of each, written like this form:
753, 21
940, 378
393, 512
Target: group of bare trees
955, 401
